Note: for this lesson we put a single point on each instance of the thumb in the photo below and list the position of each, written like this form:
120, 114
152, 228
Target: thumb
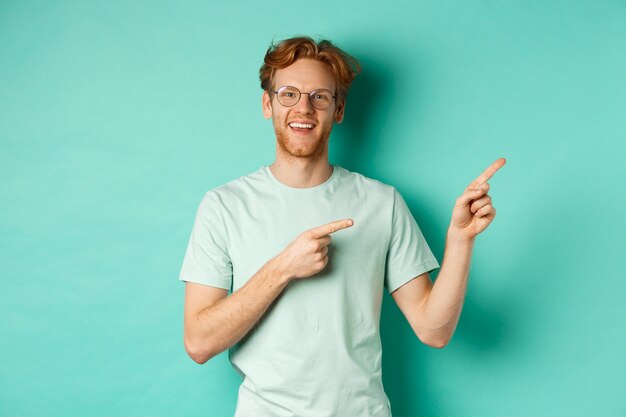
468, 196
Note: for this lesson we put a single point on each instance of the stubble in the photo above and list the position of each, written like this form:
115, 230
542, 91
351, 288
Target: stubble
312, 148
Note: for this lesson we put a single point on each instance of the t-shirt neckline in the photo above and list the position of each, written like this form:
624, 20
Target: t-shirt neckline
318, 187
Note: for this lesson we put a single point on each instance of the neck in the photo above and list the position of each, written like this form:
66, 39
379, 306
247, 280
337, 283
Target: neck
302, 173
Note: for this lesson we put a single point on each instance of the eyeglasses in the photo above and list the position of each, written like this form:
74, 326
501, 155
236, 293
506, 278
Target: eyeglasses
289, 96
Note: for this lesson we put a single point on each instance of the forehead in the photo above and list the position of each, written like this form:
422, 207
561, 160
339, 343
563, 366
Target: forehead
305, 74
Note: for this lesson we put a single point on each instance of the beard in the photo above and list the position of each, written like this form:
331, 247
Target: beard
310, 147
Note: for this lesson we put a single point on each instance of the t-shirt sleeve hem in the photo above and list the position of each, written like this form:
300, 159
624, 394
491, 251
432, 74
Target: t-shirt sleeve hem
219, 282
400, 279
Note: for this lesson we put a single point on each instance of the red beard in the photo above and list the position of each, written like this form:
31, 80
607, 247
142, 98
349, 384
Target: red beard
304, 147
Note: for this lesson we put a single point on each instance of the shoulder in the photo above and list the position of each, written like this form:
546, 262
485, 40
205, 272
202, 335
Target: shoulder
235, 189
370, 185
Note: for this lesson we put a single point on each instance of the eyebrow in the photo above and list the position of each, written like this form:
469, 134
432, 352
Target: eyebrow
318, 88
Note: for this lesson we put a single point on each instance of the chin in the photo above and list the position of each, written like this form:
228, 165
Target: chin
301, 147
313, 149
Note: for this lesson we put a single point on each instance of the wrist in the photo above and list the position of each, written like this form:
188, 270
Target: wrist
277, 271
455, 236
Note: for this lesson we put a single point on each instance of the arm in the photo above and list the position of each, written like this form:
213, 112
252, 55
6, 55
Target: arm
215, 322
433, 311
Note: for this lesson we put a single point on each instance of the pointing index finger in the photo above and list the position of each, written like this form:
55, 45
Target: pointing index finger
488, 173
331, 227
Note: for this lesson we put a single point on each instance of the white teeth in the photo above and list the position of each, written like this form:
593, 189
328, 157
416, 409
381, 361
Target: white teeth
301, 125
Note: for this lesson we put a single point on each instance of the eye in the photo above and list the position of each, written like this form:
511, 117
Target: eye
288, 93
322, 97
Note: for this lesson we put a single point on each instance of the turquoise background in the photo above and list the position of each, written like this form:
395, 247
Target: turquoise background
116, 117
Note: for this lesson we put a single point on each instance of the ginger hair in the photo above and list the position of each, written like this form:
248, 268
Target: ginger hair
284, 53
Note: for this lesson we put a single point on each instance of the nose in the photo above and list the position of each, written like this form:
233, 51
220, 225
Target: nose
304, 104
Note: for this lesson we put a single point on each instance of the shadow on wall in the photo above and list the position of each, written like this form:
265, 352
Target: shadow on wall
357, 138
493, 329
358, 141
376, 106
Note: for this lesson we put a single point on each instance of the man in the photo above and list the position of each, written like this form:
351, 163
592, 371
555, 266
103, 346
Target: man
307, 249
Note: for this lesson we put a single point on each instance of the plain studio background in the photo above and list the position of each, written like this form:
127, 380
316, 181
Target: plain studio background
117, 117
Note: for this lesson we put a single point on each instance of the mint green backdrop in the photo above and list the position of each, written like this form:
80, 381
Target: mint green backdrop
116, 117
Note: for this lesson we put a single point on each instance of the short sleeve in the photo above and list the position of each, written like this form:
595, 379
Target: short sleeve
408, 255
206, 260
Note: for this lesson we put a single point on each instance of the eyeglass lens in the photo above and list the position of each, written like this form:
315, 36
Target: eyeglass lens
289, 96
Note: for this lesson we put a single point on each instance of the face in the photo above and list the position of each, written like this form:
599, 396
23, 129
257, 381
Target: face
306, 75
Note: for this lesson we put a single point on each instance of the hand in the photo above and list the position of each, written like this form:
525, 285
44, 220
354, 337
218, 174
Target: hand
306, 255
473, 211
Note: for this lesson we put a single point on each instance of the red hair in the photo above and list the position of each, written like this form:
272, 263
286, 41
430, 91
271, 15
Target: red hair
284, 53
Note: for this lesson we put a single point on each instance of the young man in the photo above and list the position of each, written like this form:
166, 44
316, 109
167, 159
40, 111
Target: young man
307, 249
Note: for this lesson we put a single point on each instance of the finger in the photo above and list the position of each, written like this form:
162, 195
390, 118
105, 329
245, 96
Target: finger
470, 195
324, 241
488, 173
484, 186
480, 203
487, 211
330, 227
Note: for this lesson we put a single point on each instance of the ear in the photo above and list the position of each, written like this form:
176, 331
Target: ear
267, 105
339, 111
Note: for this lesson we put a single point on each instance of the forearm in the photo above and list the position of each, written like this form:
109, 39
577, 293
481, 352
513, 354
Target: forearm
221, 325
445, 301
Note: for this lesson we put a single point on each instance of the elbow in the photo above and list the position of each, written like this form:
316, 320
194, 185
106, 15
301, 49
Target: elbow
437, 344
199, 358
434, 341
197, 352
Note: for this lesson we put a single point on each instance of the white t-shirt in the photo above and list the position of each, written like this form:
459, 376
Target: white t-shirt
317, 350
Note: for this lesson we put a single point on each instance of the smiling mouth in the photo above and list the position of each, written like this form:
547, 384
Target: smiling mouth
301, 127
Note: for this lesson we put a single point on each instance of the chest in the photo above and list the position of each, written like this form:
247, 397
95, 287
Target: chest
258, 231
